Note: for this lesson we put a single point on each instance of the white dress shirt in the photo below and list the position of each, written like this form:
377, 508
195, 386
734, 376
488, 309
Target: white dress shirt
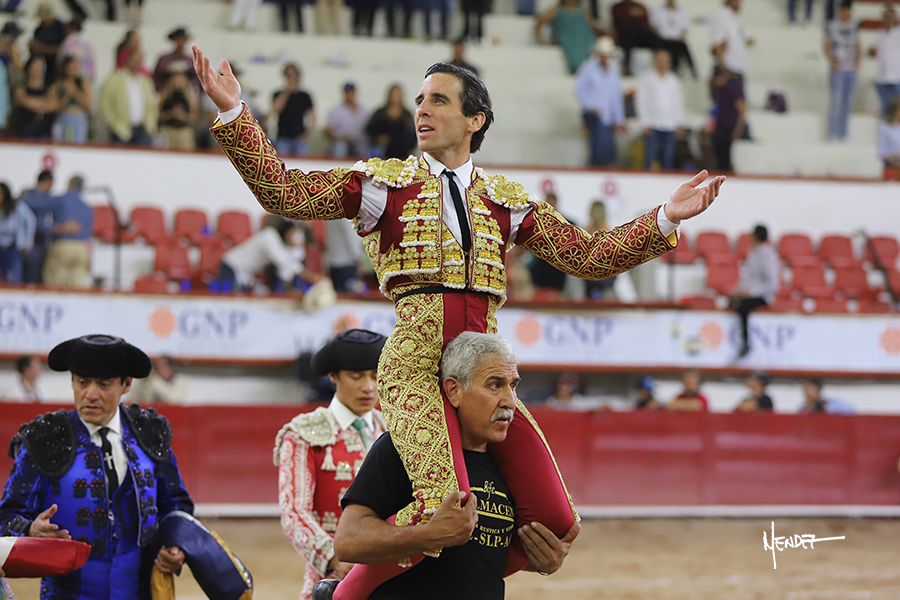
887, 44
136, 109
120, 461
728, 29
660, 103
259, 250
345, 418
670, 23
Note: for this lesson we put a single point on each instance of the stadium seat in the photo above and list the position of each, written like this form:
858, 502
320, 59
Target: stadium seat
148, 223
172, 259
104, 223
211, 251
699, 302
831, 305
787, 304
809, 280
155, 283
191, 224
712, 242
873, 306
851, 282
722, 273
743, 246
837, 251
886, 248
682, 254
796, 249
233, 226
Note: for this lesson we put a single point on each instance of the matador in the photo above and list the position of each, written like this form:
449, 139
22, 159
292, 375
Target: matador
437, 230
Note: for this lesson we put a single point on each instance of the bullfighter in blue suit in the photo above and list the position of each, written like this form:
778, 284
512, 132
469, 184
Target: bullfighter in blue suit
103, 473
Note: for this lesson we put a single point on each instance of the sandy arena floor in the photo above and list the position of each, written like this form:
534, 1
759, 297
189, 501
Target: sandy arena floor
640, 559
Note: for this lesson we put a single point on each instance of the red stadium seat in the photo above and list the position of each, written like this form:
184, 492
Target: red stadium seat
851, 282
837, 251
787, 304
211, 251
810, 281
743, 246
104, 223
191, 224
712, 243
893, 281
886, 248
831, 305
172, 260
873, 306
148, 223
682, 254
155, 283
699, 302
796, 249
234, 226
722, 273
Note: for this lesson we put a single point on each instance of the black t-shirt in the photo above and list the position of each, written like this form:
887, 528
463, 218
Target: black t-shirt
764, 402
292, 120
473, 570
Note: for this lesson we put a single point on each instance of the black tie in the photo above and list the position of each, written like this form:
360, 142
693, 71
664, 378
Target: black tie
460, 212
112, 479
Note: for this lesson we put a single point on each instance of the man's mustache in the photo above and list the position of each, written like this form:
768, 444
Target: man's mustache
503, 414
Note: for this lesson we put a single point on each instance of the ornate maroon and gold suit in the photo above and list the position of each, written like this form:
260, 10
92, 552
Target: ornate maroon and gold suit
317, 461
411, 249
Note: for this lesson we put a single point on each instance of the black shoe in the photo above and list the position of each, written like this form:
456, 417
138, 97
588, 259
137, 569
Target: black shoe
744, 351
325, 589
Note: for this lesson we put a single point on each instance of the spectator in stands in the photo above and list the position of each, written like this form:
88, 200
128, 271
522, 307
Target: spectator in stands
671, 23
843, 52
5, 107
473, 18
390, 15
887, 51
178, 56
889, 139
644, 398
27, 389
363, 17
47, 39
178, 109
243, 14
344, 255
77, 46
631, 22
10, 53
443, 8
68, 262
346, 127
164, 385
599, 92
391, 130
17, 224
729, 41
459, 57
567, 394
328, 16
279, 245
729, 107
572, 28
33, 106
131, 42
133, 11
813, 402
597, 290
296, 115
792, 11
690, 399
758, 400
759, 283
285, 8
545, 276
128, 104
518, 276
42, 205
73, 95
660, 109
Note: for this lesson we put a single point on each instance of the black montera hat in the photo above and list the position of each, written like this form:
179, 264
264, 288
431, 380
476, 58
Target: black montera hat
101, 356
352, 350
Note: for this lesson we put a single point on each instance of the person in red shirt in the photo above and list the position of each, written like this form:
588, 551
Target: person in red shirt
690, 399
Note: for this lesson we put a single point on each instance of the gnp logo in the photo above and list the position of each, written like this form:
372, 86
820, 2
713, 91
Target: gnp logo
563, 331
197, 323
29, 317
890, 340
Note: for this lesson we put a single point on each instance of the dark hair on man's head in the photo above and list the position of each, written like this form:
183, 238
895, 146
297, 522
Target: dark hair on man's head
474, 96
45, 175
23, 362
760, 233
818, 382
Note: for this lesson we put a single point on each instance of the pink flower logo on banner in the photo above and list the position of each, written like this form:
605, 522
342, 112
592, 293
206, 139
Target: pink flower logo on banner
162, 322
528, 331
711, 335
890, 340
344, 322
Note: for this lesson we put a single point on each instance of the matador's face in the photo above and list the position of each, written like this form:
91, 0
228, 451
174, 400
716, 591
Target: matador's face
96, 399
357, 390
441, 125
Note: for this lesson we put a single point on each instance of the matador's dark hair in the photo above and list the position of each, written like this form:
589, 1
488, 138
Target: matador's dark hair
474, 96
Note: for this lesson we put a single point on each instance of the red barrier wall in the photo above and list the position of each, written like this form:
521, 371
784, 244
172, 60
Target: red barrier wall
225, 454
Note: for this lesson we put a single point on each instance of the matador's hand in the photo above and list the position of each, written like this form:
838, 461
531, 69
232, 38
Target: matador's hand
41, 527
224, 90
689, 200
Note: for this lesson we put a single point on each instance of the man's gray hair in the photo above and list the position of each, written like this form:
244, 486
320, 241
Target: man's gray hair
465, 354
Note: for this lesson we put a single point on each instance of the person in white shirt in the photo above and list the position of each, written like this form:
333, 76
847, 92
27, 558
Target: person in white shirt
27, 390
728, 40
671, 23
843, 52
660, 109
760, 280
277, 248
346, 127
889, 139
887, 51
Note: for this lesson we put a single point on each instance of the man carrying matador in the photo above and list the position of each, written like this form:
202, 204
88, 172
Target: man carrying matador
437, 230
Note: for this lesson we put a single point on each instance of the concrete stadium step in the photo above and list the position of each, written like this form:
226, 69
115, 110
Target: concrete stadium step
817, 160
